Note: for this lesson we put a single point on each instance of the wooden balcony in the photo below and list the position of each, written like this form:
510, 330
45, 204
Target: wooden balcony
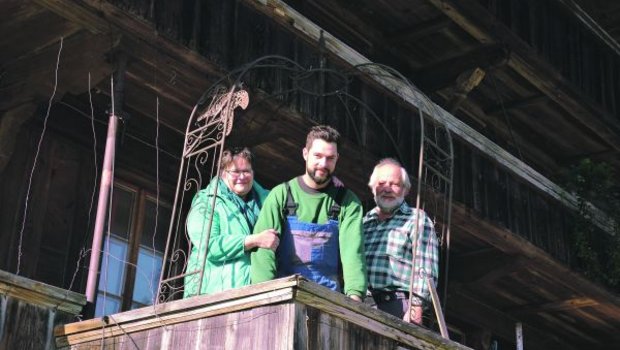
288, 313
29, 310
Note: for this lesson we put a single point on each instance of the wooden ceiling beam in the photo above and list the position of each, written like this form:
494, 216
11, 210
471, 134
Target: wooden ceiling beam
515, 104
512, 244
474, 19
103, 16
462, 305
33, 77
419, 30
22, 37
591, 24
485, 269
555, 306
465, 83
444, 74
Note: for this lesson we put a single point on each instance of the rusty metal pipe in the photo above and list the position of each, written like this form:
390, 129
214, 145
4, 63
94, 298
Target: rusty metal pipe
102, 206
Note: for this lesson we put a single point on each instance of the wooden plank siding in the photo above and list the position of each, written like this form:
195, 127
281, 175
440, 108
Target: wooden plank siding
30, 310
288, 313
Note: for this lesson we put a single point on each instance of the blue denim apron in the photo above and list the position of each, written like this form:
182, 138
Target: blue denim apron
309, 249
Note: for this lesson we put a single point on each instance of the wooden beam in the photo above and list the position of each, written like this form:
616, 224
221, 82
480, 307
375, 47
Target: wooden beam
591, 24
512, 244
516, 104
465, 83
38, 293
33, 77
474, 19
419, 30
370, 318
443, 74
555, 306
102, 16
22, 36
464, 306
285, 290
483, 270
294, 21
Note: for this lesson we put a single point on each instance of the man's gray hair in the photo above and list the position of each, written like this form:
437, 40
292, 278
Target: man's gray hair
385, 161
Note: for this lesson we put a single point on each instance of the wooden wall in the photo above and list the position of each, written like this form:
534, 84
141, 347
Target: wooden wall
498, 196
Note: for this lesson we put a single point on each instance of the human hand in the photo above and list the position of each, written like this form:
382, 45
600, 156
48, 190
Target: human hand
355, 298
267, 239
415, 312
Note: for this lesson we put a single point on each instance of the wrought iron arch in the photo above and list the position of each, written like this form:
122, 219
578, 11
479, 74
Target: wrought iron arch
429, 161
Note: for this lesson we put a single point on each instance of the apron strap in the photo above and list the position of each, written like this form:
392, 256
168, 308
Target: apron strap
290, 209
334, 211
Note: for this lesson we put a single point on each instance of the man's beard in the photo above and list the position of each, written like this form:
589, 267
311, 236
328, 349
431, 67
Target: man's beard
388, 205
318, 179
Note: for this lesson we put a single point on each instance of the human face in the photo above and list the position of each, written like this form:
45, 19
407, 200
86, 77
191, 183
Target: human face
321, 161
388, 188
239, 176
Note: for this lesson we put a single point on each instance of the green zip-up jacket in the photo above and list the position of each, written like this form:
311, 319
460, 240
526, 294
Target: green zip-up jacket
314, 207
228, 264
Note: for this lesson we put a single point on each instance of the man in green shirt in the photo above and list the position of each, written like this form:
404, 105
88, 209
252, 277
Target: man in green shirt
319, 221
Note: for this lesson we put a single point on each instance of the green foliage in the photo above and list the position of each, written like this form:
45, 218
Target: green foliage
597, 254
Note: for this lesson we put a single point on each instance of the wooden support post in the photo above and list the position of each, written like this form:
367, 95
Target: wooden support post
519, 332
465, 83
443, 329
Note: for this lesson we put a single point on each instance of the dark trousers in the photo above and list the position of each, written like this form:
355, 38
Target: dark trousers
394, 303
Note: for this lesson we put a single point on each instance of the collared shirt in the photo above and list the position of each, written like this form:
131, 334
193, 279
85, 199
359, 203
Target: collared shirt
389, 245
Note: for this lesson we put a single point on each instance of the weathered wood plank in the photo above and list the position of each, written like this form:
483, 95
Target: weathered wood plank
220, 318
372, 319
562, 305
178, 311
38, 293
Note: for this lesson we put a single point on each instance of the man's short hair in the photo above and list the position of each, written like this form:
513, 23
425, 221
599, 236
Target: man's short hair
322, 132
404, 177
229, 155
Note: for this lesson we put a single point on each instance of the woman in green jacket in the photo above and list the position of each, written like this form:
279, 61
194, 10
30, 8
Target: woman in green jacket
238, 199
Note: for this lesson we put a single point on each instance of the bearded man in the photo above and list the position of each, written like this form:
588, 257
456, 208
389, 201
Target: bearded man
392, 230
319, 222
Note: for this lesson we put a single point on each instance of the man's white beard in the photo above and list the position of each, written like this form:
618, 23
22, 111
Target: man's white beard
388, 206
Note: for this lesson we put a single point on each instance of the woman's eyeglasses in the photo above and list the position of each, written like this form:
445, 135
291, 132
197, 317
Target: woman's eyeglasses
238, 173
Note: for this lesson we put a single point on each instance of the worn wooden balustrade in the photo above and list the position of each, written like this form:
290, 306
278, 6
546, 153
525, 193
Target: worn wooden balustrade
29, 310
287, 313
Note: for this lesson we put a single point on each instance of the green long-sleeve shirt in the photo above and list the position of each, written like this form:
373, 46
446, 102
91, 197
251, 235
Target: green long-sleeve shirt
314, 207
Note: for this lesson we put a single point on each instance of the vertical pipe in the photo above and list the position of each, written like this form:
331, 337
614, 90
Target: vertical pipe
104, 192
106, 181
